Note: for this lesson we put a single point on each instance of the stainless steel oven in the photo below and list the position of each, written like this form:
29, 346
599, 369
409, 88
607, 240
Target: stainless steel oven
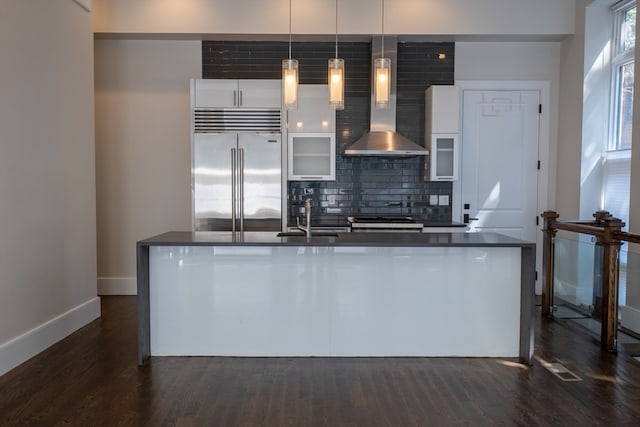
402, 224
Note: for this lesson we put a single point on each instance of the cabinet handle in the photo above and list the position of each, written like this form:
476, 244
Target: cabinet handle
235, 104
466, 219
240, 98
233, 189
241, 187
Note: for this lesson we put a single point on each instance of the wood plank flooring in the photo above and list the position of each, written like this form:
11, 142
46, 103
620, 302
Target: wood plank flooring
91, 379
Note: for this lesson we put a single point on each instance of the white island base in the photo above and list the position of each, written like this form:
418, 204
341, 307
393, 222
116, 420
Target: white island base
287, 300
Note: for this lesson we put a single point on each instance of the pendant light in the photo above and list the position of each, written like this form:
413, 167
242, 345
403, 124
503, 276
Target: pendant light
336, 76
290, 76
382, 75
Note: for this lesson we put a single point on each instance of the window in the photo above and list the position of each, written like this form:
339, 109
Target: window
617, 159
627, 26
623, 66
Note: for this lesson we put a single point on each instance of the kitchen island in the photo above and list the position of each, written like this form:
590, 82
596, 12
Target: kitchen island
350, 294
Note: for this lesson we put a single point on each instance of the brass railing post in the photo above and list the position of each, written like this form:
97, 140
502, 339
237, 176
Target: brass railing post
610, 264
547, 261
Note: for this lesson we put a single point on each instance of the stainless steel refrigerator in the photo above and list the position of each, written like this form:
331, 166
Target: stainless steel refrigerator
236, 174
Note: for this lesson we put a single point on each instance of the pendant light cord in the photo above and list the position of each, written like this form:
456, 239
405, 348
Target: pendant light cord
336, 28
383, 28
289, 29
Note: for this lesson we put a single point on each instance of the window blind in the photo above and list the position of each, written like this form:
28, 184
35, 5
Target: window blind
617, 179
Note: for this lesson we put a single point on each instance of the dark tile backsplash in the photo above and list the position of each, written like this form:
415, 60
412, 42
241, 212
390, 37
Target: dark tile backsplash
363, 185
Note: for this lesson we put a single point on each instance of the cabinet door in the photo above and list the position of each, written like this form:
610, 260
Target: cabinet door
444, 157
212, 190
261, 184
313, 113
442, 108
216, 93
312, 157
259, 93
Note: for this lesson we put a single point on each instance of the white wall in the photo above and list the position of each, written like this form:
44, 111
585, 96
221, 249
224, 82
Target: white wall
631, 313
595, 125
125, 215
143, 148
569, 150
634, 206
47, 178
440, 17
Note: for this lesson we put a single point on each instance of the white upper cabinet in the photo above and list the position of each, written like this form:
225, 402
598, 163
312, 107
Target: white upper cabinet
229, 93
313, 113
260, 93
311, 132
442, 125
442, 108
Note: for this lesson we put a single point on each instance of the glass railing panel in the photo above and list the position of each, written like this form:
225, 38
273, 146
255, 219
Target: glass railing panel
629, 293
577, 263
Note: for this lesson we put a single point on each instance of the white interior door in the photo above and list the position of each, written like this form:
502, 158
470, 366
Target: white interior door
500, 137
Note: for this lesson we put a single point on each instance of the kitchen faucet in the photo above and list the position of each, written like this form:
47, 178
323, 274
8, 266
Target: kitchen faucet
307, 211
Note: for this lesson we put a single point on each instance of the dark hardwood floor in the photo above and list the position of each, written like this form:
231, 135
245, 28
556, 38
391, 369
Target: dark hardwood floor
91, 379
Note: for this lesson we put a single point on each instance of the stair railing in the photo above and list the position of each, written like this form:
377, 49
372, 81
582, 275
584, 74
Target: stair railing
609, 235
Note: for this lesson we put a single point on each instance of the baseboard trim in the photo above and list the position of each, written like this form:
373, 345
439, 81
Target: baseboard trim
23, 347
117, 286
630, 318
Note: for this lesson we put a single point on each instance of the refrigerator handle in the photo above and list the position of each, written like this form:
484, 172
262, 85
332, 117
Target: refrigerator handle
233, 189
235, 103
241, 187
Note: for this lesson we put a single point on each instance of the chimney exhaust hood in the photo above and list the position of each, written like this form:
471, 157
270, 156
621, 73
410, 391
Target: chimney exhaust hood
382, 139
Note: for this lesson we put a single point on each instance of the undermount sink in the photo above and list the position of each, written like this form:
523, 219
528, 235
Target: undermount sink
302, 234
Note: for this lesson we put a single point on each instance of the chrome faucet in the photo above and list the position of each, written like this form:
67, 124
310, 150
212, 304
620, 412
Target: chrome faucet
307, 211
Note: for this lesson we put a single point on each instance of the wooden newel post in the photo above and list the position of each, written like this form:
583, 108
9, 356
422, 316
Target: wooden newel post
550, 217
610, 260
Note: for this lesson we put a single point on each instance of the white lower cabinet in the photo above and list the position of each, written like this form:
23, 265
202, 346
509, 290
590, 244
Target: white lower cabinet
312, 157
336, 301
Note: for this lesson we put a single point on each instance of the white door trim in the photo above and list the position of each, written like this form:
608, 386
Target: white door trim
544, 87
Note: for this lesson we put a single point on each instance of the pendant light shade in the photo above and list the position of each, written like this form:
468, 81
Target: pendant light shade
290, 76
290, 83
336, 83
382, 80
335, 77
382, 75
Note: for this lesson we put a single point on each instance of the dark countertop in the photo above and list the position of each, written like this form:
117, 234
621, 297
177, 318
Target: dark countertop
228, 238
444, 224
324, 223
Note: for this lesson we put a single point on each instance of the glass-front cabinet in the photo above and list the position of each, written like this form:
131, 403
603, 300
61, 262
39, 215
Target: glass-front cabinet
442, 126
444, 157
312, 156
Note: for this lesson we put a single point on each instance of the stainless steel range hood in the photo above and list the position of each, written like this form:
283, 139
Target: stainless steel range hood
382, 139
